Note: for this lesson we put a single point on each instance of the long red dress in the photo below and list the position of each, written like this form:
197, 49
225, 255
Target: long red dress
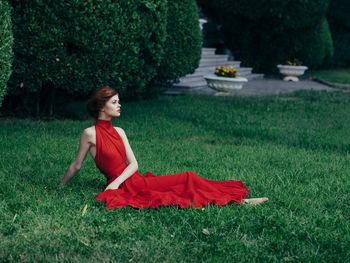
183, 189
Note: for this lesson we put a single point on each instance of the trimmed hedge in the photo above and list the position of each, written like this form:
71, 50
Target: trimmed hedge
76, 46
265, 33
316, 45
339, 21
183, 45
6, 41
72, 47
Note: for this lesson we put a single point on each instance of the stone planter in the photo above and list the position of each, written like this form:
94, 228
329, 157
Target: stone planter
224, 84
291, 72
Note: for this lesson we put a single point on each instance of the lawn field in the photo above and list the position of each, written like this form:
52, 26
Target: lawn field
339, 78
294, 149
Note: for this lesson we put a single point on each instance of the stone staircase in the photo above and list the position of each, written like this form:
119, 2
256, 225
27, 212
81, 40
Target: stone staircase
209, 60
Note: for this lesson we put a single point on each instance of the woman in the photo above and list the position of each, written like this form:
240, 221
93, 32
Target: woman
109, 147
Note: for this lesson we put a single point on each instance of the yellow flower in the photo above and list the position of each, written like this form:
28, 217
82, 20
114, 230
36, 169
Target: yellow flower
222, 73
57, 59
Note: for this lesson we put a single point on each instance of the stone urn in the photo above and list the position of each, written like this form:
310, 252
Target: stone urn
291, 73
224, 84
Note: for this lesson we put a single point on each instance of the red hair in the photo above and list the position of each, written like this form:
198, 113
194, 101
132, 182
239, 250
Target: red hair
99, 99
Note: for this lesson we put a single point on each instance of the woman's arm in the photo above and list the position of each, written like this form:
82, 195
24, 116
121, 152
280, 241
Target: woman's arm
132, 163
75, 166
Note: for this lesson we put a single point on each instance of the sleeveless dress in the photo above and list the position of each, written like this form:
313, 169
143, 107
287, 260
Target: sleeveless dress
183, 189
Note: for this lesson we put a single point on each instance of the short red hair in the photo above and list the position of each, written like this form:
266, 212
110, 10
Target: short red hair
99, 99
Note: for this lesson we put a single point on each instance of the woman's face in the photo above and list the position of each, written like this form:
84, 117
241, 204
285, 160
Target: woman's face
112, 107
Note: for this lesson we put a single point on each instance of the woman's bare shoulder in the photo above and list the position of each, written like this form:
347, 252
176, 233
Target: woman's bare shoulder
120, 131
90, 130
89, 133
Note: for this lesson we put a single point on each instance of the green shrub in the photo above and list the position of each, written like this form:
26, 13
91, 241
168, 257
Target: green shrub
316, 45
183, 45
6, 41
339, 21
267, 32
78, 46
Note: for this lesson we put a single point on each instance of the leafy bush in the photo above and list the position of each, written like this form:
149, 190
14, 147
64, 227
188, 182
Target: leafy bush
315, 45
339, 21
183, 45
73, 47
6, 41
267, 32
78, 46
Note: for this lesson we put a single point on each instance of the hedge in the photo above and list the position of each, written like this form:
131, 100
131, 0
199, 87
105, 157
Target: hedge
6, 41
183, 45
268, 32
76, 46
69, 48
339, 21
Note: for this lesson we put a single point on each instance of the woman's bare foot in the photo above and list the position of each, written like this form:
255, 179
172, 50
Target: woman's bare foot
256, 201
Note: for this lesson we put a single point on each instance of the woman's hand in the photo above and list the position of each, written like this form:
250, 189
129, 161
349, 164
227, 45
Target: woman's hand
112, 186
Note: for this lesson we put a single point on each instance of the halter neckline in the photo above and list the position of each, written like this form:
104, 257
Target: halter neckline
104, 123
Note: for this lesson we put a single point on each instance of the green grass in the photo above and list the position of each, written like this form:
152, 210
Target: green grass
336, 77
292, 148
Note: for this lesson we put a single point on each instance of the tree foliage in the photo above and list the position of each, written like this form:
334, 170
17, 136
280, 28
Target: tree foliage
339, 21
6, 41
267, 32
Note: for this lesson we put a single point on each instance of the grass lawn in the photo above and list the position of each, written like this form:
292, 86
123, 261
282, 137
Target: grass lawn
292, 148
336, 77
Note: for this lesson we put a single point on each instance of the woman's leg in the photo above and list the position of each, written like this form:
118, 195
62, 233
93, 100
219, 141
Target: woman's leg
256, 201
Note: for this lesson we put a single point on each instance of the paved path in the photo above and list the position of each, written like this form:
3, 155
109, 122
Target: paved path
263, 87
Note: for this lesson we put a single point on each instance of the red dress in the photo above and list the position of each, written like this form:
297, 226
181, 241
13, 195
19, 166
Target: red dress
183, 189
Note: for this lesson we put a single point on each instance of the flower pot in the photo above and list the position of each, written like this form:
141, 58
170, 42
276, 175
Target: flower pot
291, 72
224, 84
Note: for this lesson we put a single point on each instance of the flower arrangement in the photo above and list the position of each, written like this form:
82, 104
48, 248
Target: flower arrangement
294, 62
226, 72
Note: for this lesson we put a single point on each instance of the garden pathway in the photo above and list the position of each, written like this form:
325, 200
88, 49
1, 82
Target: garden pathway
257, 87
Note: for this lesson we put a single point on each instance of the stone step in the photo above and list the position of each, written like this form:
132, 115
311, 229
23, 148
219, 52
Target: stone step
191, 84
207, 64
186, 81
191, 77
208, 50
210, 56
211, 67
213, 62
